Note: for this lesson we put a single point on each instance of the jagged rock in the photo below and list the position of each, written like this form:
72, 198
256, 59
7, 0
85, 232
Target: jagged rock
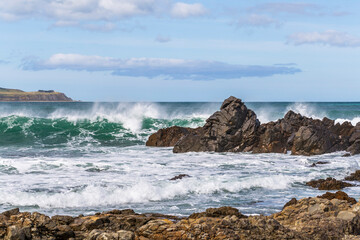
232, 129
291, 202
278, 136
328, 184
167, 137
354, 148
235, 128
338, 195
354, 176
355, 134
180, 176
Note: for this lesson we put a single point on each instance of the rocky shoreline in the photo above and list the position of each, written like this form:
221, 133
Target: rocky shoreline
330, 216
235, 128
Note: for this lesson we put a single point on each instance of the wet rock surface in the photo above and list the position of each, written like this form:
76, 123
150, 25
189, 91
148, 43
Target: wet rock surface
235, 128
330, 216
354, 176
328, 184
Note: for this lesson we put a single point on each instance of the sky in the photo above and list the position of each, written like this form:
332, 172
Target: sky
169, 50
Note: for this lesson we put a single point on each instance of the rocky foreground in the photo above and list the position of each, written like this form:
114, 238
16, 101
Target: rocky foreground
331, 216
235, 128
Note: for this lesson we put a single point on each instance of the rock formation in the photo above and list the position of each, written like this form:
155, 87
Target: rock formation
232, 129
235, 128
324, 217
15, 95
168, 137
328, 184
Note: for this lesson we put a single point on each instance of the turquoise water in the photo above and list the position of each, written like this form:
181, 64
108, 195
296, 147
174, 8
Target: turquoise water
72, 158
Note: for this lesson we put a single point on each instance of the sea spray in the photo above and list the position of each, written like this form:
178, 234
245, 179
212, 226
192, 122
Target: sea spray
73, 158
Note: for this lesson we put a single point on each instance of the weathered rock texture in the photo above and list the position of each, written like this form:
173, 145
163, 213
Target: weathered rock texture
168, 137
235, 128
338, 195
309, 218
14, 95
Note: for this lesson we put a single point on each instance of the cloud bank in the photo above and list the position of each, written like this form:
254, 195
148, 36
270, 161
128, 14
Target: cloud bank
177, 69
329, 37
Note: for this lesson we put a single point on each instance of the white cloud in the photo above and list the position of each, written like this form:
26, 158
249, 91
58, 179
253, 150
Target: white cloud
256, 20
184, 10
154, 67
70, 11
330, 37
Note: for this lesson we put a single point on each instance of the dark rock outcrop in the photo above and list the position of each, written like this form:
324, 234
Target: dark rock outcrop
235, 128
328, 184
354, 148
168, 137
338, 195
232, 129
354, 176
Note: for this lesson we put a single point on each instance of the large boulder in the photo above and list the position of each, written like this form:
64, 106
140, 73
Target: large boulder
232, 129
167, 137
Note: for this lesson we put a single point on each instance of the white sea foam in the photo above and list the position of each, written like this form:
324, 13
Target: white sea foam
353, 121
139, 175
307, 110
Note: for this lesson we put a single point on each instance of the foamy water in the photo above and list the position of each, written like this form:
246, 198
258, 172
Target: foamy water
86, 158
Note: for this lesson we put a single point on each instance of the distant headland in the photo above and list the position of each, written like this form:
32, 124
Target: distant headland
16, 95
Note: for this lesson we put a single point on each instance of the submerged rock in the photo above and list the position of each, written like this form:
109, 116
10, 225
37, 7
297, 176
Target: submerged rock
328, 184
180, 176
318, 163
235, 128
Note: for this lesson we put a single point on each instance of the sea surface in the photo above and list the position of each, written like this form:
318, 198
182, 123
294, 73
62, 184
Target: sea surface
82, 158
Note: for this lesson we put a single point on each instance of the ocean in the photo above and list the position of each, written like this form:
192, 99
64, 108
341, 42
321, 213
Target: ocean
82, 158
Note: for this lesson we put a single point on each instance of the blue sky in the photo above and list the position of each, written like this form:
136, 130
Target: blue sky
168, 50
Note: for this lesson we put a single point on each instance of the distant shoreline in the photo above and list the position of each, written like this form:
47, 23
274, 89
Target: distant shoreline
16, 95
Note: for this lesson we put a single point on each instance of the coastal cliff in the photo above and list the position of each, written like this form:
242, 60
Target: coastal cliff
15, 95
